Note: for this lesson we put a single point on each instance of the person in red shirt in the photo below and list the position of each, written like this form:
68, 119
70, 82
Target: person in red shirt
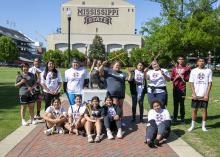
180, 75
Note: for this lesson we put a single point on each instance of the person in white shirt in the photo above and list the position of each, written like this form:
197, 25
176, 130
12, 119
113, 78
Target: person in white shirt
76, 120
157, 79
55, 117
159, 123
36, 69
138, 86
74, 81
51, 81
201, 83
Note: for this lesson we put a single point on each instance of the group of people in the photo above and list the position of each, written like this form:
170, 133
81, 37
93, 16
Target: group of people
92, 116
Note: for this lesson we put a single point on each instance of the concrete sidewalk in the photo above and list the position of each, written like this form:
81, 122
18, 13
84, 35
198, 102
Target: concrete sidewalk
32, 142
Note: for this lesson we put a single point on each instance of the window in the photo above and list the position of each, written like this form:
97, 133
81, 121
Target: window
132, 10
83, 2
113, 3
128, 10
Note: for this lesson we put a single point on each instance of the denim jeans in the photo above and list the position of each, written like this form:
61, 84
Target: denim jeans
162, 97
140, 101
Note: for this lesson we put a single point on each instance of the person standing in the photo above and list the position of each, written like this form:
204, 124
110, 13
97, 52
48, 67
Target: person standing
51, 81
201, 83
37, 70
157, 78
115, 79
25, 81
74, 81
138, 86
180, 75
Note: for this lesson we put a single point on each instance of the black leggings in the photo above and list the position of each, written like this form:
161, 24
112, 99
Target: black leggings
109, 122
48, 98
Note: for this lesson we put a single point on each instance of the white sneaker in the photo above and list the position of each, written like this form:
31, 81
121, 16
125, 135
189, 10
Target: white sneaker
119, 134
190, 129
204, 129
24, 123
59, 130
90, 139
33, 122
109, 134
49, 131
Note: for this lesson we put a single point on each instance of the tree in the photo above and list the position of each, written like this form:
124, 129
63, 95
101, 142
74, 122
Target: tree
120, 55
8, 49
54, 55
184, 28
97, 49
74, 54
140, 55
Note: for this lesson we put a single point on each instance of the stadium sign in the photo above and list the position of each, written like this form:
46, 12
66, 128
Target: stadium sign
103, 15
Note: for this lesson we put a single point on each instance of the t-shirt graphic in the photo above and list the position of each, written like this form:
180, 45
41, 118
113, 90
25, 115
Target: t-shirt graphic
111, 111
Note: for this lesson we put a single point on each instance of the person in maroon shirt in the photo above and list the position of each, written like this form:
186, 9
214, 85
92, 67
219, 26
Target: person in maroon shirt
180, 75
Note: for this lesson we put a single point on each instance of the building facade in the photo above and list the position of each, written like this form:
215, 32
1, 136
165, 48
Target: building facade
113, 20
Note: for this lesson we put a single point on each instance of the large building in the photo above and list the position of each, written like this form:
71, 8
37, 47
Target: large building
25, 46
113, 20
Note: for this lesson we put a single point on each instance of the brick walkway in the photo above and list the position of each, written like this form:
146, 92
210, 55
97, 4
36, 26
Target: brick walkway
38, 144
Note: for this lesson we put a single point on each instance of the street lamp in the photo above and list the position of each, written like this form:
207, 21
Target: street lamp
69, 12
209, 59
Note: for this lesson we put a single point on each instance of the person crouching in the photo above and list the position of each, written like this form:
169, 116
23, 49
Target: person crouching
159, 125
112, 115
55, 117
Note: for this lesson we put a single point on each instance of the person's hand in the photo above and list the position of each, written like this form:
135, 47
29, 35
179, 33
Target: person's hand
23, 81
29, 89
145, 70
116, 117
130, 69
162, 72
104, 63
206, 98
55, 121
194, 97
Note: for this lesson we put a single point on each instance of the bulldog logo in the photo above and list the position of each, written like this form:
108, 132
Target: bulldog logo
201, 76
155, 75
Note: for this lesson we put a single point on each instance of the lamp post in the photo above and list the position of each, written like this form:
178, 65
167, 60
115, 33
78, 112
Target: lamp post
69, 12
209, 59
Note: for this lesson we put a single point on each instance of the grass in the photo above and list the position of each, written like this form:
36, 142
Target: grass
9, 104
207, 143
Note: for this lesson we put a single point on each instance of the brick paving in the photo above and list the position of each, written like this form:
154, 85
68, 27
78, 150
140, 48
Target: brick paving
37, 144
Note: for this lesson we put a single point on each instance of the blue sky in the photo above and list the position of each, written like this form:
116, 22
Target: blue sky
43, 16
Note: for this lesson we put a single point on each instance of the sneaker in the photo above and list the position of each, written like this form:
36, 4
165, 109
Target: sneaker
38, 117
60, 130
97, 138
33, 122
90, 139
204, 129
49, 131
150, 144
82, 132
109, 134
190, 129
156, 142
174, 120
119, 134
24, 123
183, 121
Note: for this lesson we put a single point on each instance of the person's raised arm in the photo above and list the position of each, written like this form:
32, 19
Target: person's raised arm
101, 68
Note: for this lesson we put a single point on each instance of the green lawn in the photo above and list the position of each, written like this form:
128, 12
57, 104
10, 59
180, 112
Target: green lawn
207, 143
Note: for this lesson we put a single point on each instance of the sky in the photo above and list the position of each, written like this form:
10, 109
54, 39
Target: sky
43, 16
